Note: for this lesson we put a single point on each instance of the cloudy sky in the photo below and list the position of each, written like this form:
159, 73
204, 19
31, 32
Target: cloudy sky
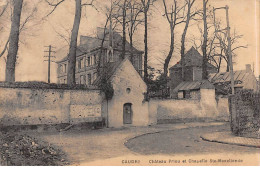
40, 33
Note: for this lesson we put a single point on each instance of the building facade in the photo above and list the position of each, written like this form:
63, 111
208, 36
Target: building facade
104, 48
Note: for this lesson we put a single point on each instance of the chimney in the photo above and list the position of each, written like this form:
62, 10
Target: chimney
248, 68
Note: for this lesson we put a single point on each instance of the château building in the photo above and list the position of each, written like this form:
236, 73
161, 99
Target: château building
106, 45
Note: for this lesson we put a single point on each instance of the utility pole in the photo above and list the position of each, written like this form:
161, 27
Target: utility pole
229, 47
230, 53
49, 51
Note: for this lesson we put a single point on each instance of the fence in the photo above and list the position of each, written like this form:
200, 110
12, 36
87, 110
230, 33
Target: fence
245, 113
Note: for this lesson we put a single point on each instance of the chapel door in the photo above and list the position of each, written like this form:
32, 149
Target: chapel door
127, 113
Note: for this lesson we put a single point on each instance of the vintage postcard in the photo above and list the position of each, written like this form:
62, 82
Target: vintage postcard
129, 83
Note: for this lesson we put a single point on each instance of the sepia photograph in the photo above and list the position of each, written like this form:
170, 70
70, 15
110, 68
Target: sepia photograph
129, 83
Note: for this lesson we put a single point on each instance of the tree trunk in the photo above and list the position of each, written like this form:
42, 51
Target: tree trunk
169, 56
131, 48
73, 45
145, 45
13, 42
204, 45
183, 38
124, 31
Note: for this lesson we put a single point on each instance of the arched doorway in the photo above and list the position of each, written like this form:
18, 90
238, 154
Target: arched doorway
127, 113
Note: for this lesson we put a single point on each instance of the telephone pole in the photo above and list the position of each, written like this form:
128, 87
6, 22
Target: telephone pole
49, 51
229, 47
230, 53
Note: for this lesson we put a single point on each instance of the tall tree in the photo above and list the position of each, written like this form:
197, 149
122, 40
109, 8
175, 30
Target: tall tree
134, 20
13, 41
124, 27
205, 40
188, 17
146, 5
73, 45
174, 16
74, 37
217, 41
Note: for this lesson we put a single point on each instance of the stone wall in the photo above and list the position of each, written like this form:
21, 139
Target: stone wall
25, 106
172, 110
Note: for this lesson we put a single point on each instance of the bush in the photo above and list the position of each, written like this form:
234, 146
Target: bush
22, 150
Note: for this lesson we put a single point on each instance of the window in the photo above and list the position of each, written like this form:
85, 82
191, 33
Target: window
65, 68
79, 65
88, 60
64, 80
61, 69
89, 79
82, 62
82, 79
110, 56
128, 90
140, 62
95, 59
95, 76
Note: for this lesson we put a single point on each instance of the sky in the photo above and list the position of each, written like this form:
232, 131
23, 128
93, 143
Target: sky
244, 17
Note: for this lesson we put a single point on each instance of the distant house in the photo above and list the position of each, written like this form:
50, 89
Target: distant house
192, 70
244, 79
88, 53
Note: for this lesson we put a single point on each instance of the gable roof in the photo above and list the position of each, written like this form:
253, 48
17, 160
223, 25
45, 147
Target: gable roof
194, 85
192, 58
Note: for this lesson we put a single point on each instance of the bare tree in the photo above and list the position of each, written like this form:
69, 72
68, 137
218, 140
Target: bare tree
73, 45
112, 25
7, 42
124, 27
134, 21
174, 16
221, 46
205, 39
13, 41
146, 5
188, 17
74, 37
216, 41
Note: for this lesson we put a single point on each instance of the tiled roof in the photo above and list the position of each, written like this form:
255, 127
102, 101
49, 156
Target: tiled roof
194, 85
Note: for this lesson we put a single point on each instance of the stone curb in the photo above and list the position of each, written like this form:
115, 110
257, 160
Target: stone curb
206, 137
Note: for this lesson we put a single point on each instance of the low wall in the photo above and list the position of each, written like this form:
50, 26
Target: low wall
172, 110
25, 106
